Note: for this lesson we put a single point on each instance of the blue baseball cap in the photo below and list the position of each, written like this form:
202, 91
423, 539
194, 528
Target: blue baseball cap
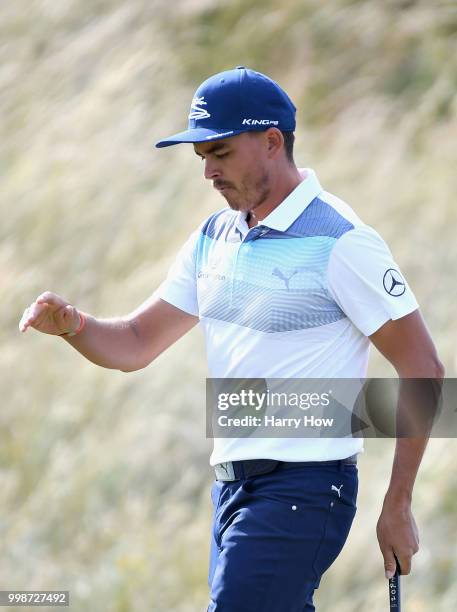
232, 102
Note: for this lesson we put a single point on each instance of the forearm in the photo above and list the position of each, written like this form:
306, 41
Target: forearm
407, 459
419, 400
124, 343
110, 343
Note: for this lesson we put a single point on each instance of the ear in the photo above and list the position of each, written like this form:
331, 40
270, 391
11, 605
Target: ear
275, 142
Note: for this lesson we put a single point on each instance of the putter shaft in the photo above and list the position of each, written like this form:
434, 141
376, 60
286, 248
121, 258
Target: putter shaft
394, 590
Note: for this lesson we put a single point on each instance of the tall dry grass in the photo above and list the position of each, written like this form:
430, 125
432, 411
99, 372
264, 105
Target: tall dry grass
104, 476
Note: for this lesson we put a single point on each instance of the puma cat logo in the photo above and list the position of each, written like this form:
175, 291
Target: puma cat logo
277, 272
338, 490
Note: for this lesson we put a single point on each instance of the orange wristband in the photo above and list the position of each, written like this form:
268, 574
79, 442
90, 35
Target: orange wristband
82, 322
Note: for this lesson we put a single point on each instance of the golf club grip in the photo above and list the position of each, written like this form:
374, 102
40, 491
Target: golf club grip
394, 591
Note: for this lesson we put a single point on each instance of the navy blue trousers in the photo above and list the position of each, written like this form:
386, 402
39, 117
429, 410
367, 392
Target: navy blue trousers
273, 536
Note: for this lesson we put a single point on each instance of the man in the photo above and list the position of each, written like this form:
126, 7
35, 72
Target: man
287, 282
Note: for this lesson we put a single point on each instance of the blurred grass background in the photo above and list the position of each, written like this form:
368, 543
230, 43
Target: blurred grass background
104, 476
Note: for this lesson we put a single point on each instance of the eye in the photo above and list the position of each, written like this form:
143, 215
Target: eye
221, 155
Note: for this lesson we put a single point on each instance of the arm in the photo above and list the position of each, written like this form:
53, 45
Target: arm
126, 343
406, 343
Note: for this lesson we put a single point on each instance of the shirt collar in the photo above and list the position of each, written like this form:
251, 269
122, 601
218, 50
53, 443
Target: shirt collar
282, 217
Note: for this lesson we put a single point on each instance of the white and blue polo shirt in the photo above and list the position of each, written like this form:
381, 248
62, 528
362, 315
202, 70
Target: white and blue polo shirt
293, 297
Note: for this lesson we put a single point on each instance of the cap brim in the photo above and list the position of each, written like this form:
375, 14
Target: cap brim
197, 135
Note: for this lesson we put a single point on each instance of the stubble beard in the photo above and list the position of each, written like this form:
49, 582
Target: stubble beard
251, 195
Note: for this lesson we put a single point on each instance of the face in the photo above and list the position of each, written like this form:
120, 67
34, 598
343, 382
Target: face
238, 168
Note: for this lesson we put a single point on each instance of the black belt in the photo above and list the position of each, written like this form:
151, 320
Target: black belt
237, 470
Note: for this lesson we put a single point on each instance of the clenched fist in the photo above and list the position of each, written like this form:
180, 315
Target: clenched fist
50, 314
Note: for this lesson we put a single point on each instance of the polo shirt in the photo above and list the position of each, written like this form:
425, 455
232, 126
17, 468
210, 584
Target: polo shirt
294, 297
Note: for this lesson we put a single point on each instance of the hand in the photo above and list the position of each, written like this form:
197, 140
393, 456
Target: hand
397, 534
50, 314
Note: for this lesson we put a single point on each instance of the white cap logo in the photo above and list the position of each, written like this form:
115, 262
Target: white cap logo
196, 112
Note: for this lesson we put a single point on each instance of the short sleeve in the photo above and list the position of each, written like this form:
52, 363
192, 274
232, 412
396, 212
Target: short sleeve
366, 282
179, 288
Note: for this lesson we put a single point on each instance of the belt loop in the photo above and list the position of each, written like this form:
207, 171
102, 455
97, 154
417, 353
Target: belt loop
341, 465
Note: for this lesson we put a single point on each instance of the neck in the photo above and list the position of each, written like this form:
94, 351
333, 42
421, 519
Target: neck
281, 186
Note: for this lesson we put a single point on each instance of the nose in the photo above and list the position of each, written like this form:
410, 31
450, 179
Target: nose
211, 170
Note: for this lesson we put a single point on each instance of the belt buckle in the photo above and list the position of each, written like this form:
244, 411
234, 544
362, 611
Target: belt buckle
225, 471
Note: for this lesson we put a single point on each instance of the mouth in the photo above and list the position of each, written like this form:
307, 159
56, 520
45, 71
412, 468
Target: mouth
221, 187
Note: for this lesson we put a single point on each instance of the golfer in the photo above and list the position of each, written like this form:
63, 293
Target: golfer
286, 282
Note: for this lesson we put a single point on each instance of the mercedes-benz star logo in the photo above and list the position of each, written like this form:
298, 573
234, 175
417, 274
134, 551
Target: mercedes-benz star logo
394, 283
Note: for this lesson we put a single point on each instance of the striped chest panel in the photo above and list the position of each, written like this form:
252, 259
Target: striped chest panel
271, 281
